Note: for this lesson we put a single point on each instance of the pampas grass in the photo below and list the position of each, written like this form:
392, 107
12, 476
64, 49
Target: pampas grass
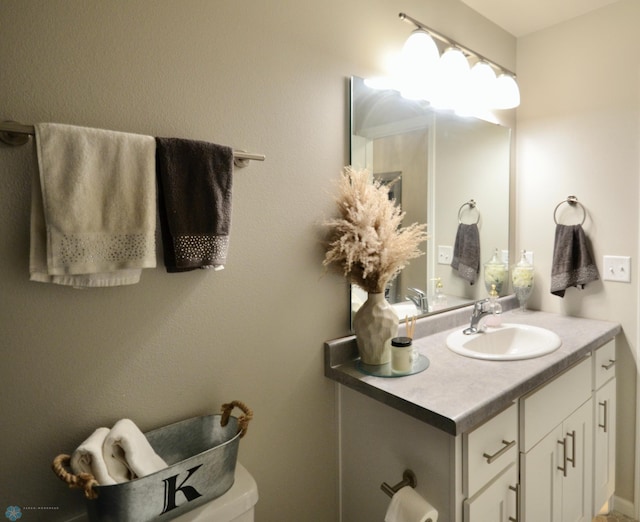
366, 242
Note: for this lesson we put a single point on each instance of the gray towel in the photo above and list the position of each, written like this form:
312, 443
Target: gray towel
194, 186
466, 252
573, 263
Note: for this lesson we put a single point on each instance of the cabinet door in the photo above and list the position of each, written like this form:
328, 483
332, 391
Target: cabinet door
557, 472
604, 473
541, 480
577, 483
496, 503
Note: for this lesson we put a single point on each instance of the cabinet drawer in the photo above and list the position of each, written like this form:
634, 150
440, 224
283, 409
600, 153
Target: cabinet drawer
489, 449
605, 363
545, 408
497, 503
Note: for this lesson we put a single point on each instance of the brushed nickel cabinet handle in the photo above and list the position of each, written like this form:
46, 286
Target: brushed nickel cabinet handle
563, 468
573, 448
604, 425
516, 490
612, 362
507, 446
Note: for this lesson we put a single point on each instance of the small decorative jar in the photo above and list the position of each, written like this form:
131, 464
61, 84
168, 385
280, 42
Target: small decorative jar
402, 354
495, 273
522, 280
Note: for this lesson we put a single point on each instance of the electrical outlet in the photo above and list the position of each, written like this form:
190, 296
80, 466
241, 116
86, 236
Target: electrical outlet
445, 255
617, 268
505, 257
528, 255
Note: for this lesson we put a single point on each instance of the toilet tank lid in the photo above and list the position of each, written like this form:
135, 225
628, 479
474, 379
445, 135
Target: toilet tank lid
241, 498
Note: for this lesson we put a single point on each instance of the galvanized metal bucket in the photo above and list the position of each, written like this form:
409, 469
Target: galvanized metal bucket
201, 454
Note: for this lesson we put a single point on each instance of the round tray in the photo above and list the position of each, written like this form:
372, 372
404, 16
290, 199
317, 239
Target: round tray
384, 370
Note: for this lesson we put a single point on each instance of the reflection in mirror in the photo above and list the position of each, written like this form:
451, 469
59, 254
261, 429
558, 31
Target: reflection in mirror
436, 164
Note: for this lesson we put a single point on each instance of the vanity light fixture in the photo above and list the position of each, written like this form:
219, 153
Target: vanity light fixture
449, 82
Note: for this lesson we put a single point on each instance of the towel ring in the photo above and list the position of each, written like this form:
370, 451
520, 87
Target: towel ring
572, 201
472, 205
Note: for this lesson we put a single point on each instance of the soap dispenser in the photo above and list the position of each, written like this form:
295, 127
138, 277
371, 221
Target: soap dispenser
439, 300
495, 319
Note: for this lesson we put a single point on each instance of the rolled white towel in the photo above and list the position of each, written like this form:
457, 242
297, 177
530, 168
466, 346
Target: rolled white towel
88, 458
128, 454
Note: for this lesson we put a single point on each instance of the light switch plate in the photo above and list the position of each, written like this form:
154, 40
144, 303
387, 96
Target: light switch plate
616, 268
445, 255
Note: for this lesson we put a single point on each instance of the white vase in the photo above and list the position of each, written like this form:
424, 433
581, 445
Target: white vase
375, 324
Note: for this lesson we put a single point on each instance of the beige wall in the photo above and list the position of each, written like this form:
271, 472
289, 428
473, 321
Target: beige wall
269, 77
578, 134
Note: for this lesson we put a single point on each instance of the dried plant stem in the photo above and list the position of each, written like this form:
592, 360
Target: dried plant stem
366, 241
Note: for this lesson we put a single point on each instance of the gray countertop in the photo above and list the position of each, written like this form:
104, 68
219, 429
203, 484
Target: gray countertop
457, 393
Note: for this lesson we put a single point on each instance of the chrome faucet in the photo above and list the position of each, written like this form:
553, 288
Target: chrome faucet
419, 299
480, 310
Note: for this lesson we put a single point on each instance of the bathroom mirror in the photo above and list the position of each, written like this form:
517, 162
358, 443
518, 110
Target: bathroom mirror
444, 170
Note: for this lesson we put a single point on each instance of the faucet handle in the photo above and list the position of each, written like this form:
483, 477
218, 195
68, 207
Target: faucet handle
478, 306
417, 291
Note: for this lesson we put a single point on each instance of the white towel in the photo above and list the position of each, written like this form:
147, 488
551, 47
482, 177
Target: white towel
87, 458
93, 210
128, 454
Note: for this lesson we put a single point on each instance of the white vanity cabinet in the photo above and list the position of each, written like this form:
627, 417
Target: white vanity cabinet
530, 441
604, 416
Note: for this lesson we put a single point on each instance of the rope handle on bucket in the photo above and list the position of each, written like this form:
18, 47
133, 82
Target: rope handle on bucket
243, 420
84, 481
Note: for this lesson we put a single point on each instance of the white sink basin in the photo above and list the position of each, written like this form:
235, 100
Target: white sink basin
508, 342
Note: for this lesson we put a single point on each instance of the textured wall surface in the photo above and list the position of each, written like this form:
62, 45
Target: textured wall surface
268, 77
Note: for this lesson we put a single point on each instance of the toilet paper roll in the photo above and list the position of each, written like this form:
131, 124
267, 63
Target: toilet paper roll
408, 506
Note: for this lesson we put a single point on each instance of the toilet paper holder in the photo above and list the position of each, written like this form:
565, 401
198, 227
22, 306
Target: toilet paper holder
408, 479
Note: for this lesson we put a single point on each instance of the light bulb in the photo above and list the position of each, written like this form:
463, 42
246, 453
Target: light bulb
418, 61
482, 85
507, 93
420, 49
453, 78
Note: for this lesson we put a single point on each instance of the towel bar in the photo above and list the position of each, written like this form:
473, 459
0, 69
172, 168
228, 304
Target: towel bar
16, 134
408, 479
572, 201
